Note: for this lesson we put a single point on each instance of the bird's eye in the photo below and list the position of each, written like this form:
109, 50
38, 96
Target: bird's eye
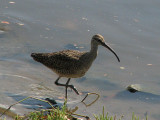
99, 40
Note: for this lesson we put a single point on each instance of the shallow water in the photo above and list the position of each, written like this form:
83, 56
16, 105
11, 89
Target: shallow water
131, 27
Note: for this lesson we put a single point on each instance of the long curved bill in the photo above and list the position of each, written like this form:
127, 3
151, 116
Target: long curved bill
108, 47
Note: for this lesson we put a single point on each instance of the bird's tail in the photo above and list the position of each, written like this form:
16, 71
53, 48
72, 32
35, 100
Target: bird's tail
39, 57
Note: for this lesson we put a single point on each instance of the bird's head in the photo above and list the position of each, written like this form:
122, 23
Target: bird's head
99, 40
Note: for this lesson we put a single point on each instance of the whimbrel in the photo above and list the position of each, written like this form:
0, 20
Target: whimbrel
72, 63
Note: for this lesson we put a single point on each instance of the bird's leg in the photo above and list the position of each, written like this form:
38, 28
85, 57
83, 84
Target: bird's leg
56, 82
71, 86
67, 87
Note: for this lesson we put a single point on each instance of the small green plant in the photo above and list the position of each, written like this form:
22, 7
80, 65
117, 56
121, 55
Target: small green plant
104, 116
134, 117
49, 114
64, 114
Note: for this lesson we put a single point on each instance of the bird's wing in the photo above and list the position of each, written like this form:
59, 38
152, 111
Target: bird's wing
66, 59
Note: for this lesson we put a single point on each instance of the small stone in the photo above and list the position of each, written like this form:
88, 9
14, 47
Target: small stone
122, 68
134, 88
11, 2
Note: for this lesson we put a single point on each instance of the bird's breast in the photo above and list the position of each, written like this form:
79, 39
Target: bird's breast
73, 70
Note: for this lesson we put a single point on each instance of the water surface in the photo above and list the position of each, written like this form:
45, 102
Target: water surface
131, 27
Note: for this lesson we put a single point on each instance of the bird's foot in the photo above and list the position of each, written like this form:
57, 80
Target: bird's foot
73, 88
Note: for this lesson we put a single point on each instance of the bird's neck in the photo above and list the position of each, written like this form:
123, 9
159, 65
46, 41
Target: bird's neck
94, 50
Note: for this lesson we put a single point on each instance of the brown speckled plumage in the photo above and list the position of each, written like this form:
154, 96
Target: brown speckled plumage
71, 63
66, 63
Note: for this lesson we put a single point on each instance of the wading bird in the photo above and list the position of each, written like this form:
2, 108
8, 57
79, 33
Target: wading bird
72, 63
